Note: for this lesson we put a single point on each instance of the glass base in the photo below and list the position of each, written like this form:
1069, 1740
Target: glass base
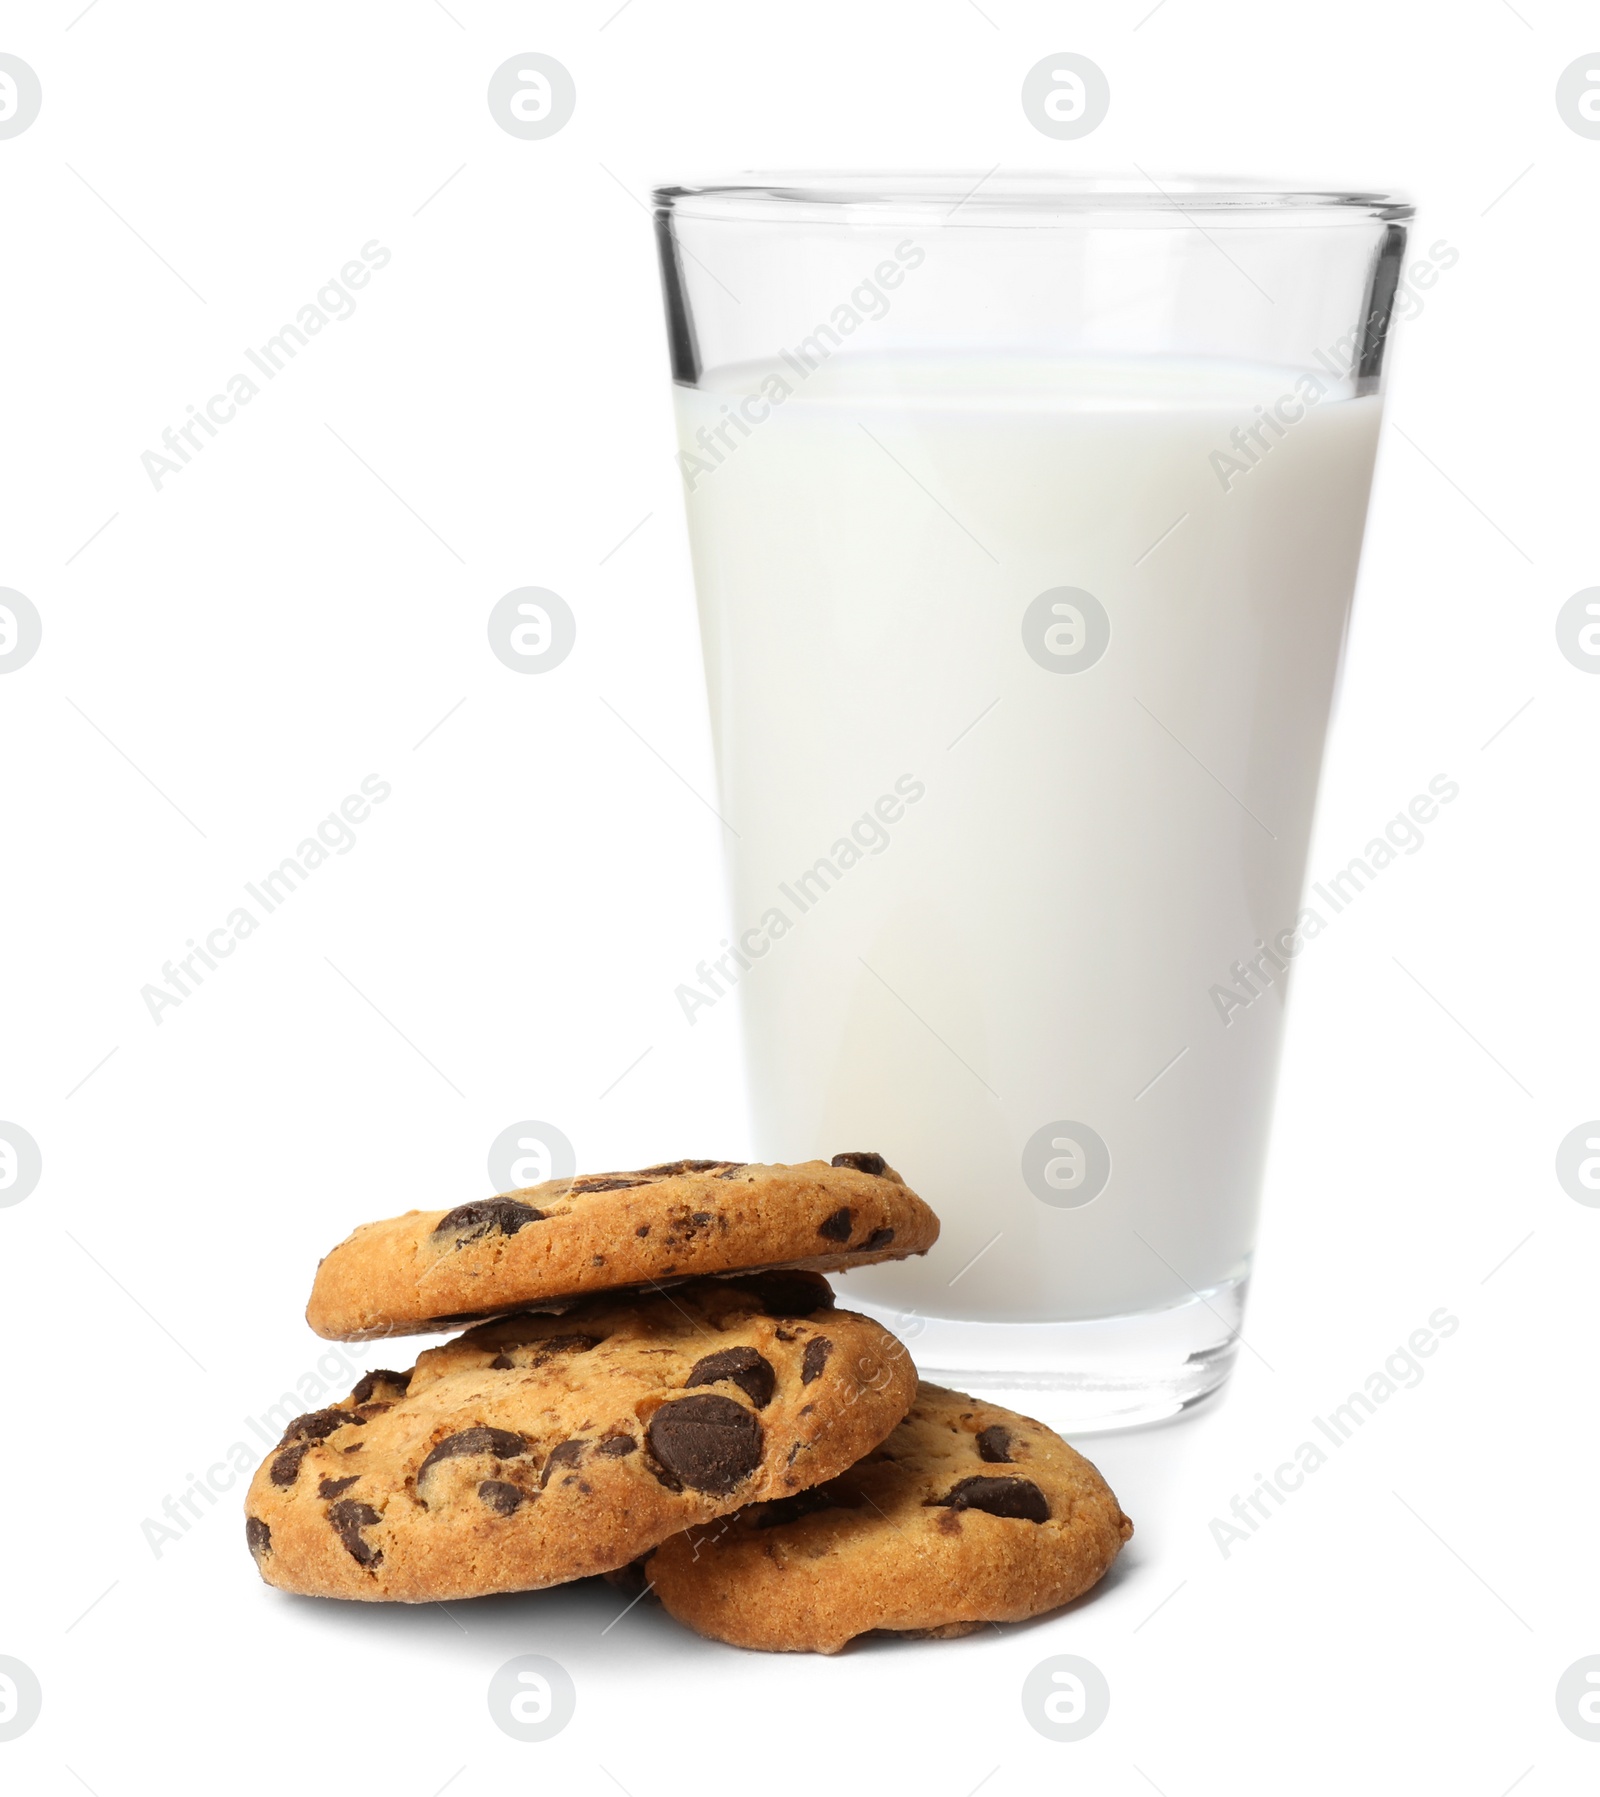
1087, 1377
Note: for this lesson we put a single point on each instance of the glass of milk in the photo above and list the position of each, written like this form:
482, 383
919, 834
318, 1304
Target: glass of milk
1025, 515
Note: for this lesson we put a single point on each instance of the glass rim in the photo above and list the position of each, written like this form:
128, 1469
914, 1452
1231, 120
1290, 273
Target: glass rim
806, 196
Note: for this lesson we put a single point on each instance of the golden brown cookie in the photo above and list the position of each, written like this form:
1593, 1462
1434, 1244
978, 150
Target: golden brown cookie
538, 1449
967, 1514
545, 1245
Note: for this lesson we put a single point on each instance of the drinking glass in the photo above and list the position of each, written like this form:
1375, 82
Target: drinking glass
1025, 514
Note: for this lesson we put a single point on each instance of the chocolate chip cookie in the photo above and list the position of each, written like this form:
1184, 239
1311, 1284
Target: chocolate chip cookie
537, 1448
967, 1514
548, 1244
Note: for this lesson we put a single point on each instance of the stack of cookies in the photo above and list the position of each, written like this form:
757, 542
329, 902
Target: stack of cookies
658, 1387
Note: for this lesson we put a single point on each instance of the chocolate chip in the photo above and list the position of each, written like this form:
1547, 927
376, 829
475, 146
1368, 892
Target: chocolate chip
786, 1294
482, 1440
880, 1238
642, 1231
368, 1383
366, 1412
708, 1442
815, 1358
500, 1496
791, 1509
744, 1367
349, 1517
485, 1217
614, 1447
501, 1362
685, 1225
317, 1425
671, 1169
1017, 1498
994, 1443
331, 1488
564, 1453
663, 1477
564, 1344
837, 1227
863, 1163
258, 1535
286, 1467
582, 1187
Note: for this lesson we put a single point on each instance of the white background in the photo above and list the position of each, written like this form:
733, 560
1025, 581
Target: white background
229, 656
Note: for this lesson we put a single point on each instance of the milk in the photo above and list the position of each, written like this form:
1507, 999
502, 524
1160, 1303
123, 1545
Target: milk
1053, 871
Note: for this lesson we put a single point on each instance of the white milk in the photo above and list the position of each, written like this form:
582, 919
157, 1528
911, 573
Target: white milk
1039, 902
